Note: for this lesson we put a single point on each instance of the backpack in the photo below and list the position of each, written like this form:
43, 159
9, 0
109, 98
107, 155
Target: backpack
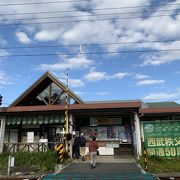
82, 141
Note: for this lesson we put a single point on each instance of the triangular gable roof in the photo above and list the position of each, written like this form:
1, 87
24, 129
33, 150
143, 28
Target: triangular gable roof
40, 85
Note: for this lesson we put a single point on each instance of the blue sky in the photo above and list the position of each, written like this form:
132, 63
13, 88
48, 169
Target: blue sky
96, 26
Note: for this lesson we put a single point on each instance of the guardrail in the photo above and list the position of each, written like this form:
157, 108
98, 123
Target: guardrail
30, 147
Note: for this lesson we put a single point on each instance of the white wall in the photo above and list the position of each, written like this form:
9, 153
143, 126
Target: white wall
2, 131
138, 135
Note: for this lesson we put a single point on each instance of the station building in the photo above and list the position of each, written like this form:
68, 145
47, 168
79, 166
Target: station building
120, 126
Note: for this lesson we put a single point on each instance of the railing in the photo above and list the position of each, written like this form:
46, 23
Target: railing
30, 147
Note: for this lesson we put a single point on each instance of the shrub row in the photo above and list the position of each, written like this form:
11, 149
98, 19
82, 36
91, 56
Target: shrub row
41, 161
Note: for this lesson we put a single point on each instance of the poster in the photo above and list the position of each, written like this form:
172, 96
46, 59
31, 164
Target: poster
111, 132
89, 132
121, 133
102, 133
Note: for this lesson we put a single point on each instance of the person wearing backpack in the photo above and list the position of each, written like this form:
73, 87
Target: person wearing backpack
82, 146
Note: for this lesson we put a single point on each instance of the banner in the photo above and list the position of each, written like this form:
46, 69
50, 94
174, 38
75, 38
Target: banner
162, 138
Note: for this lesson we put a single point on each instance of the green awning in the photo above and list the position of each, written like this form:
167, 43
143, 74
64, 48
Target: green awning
59, 119
46, 120
35, 120
51, 119
41, 119
56, 119
18, 120
62, 119
13, 122
8, 121
29, 120
24, 121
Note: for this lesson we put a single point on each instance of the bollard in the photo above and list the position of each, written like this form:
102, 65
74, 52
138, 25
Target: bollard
60, 152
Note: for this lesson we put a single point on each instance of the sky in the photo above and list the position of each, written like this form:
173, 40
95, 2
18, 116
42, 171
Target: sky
114, 49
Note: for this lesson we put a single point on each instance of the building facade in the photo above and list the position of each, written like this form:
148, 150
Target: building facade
118, 125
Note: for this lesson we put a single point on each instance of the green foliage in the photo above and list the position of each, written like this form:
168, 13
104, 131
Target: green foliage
155, 158
3, 161
158, 164
40, 161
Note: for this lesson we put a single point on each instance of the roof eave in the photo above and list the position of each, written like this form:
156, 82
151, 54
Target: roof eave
160, 110
135, 105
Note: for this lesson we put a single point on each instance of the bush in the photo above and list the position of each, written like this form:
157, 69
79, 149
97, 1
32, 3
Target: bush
157, 164
41, 161
3, 161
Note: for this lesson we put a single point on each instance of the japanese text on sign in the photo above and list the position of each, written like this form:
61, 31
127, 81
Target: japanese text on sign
162, 138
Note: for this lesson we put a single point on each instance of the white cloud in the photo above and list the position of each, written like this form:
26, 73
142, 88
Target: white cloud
98, 76
102, 93
119, 75
103, 31
48, 35
163, 57
149, 82
23, 37
78, 62
76, 82
162, 96
4, 79
141, 76
95, 76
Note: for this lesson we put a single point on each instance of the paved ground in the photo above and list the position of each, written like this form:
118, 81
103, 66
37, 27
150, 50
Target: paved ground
102, 168
107, 168
109, 159
105, 164
103, 171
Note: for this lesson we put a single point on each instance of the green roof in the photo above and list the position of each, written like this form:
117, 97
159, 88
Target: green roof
162, 104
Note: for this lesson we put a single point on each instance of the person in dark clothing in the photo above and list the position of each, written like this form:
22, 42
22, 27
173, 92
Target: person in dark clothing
82, 146
76, 146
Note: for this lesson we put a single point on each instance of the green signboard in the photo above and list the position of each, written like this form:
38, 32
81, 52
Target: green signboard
162, 138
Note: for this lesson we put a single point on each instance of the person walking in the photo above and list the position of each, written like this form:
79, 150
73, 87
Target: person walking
82, 146
93, 146
76, 145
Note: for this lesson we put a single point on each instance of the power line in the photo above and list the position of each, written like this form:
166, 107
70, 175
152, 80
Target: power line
92, 44
87, 10
82, 20
79, 16
69, 1
46, 2
92, 53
